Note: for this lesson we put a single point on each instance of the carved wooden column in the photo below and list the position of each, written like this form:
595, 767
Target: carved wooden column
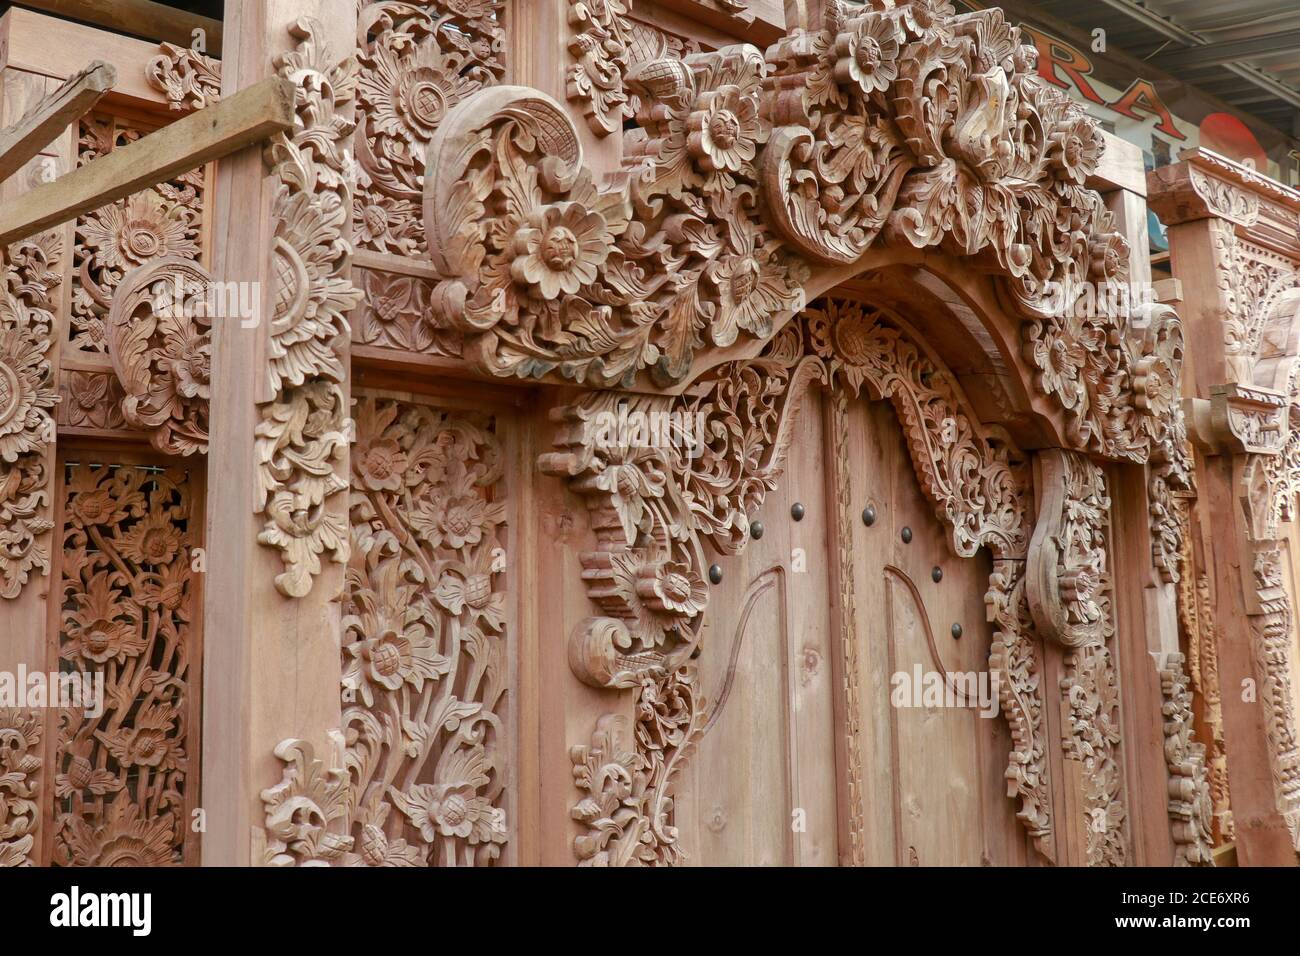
1234, 246
31, 289
277, 507
1145, 538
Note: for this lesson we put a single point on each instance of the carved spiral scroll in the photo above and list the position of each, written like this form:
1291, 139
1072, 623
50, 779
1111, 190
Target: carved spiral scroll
160, 342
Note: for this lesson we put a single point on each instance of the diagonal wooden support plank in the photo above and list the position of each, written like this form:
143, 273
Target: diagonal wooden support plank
51, 116
249, 116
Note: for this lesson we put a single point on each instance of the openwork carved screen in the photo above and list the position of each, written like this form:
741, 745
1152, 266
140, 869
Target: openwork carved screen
125, 781
427, 656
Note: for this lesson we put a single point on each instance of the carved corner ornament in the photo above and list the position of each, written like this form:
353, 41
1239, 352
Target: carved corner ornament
190, 80
27, 399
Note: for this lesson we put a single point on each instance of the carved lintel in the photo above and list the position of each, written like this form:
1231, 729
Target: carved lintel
745, 170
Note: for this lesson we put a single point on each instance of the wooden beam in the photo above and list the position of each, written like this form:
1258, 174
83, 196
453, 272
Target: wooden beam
249, 116
51, 116
141, 18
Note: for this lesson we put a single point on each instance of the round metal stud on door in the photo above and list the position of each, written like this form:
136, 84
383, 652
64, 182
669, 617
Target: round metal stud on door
797, 511
715, 573
906, 535
936, 574
868, 516
756, 530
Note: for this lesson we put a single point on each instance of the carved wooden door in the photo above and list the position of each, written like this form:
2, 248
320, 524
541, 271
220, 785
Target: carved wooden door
933, 745
818, 751
762, 789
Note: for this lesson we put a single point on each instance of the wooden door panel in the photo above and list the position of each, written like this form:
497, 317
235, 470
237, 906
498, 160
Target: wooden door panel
769, 750
762, 789
934, 774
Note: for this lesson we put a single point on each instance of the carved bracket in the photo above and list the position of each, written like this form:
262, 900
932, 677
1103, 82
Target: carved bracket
1067, 556
1239, 419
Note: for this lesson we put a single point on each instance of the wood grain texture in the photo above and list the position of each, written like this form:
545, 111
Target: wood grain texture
248, 117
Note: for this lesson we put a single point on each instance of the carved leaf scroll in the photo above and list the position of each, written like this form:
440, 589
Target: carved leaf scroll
27, 399
191, 80
160, 342
21, 760
301, 445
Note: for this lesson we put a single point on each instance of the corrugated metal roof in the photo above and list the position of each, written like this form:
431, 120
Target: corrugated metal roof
1245, 52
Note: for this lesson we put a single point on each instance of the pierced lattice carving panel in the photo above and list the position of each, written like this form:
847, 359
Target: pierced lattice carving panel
125, 781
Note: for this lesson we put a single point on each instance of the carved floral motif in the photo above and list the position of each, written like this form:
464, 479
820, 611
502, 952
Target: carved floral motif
1190, 806
417, 62
21, 758
129, 598
599, 43
426, 670
27, 399
162, 221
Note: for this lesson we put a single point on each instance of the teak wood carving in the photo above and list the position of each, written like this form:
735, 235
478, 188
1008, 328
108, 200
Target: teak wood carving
668, 225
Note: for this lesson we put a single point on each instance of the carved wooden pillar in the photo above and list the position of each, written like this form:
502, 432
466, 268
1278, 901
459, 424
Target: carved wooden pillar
277, 509
31, 290
1235, 247
1145, 500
